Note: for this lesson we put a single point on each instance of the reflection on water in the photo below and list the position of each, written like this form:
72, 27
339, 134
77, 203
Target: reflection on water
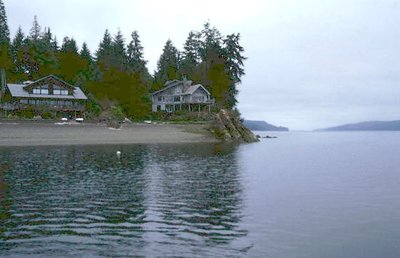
154, 199
300, 195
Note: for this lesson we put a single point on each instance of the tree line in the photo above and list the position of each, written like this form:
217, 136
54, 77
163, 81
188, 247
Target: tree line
116, 74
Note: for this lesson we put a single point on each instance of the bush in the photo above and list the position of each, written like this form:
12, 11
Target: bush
48, 115
117, 113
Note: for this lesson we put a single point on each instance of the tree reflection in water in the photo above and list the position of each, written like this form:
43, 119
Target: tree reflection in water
169, 199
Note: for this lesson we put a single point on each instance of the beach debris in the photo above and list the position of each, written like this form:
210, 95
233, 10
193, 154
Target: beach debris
127, 120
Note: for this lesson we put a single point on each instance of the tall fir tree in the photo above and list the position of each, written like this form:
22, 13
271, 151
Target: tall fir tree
4, 40
135, 59
85, 53
104, 52
50, 39
118, 56
191, 54
39, 56
167, 66
4, 30
17, 52
35, 31
234, 65
69, 46
210, 42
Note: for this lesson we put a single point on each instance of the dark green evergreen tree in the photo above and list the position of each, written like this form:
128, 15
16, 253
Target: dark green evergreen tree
234, 66
39, 57
17, 52
85, 53
167, 66
4, 39
50, 39
118, 57
135, 59
69, 46
104, 52
4, 31
210, 42
191, 54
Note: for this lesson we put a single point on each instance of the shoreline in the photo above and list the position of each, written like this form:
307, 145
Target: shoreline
55, 133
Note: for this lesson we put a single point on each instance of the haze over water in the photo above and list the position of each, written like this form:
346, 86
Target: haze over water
330, 194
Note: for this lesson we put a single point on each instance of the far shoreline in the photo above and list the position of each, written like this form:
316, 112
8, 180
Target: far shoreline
54, 133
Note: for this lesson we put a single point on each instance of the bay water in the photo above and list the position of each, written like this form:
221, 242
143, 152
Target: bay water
303, 194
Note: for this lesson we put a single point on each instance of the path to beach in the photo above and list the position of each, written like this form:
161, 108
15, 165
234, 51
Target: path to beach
23, 133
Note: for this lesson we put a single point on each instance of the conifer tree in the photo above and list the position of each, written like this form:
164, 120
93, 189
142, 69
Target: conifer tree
191, 54
118, 56
35, 30
69, 46
135, 59
50, 40
104, 52
4, 31
168, 64
233, 56
4, 40
85, 53
17, 52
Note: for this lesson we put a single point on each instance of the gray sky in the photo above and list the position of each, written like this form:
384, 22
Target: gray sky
311, 63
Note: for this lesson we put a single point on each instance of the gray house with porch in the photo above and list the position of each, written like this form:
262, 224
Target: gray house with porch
181, 95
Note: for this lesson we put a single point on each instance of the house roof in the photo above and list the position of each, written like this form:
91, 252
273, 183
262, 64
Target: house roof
49, 78
169, 84
189, 90
193, 88
17, 90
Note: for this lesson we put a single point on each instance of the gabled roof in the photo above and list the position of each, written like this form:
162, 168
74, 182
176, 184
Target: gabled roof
17, 90
193, 88
50, 78
189, 91
169, 84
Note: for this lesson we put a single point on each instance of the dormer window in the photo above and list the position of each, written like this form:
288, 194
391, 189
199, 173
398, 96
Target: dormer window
42, 90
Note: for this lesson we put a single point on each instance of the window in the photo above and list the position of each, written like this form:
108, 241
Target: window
161, 98
43, 90
177, 98
59, 91
198, 99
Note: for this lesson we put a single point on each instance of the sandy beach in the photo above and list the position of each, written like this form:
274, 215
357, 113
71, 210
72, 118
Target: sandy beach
41, 133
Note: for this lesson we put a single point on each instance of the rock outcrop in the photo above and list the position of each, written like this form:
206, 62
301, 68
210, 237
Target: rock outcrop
228, 127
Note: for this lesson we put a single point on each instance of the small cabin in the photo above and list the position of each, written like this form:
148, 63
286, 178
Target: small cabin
179, 95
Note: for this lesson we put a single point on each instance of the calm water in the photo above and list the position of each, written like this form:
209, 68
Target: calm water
301, 195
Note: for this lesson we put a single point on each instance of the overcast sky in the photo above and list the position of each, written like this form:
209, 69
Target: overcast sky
311, 63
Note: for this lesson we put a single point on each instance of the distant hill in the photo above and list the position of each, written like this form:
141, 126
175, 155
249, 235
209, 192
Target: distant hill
263, 126
367, 126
